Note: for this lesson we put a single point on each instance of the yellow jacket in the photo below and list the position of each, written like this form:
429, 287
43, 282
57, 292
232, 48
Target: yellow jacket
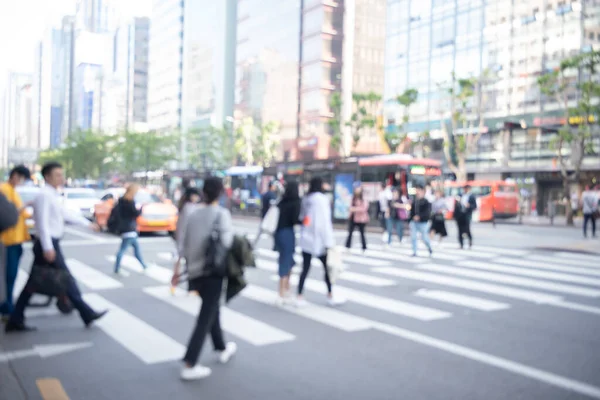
18, 233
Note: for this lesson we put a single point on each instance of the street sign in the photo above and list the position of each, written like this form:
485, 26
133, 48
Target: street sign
43, 351
20, 155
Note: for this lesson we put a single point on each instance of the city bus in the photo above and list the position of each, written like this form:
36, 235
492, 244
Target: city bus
495, 199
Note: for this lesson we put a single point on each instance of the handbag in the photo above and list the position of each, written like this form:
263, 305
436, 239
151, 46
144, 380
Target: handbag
437, 217
215, 258
48, 280
270, 221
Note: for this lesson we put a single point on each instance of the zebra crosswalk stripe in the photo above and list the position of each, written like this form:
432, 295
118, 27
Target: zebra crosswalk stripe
476, 303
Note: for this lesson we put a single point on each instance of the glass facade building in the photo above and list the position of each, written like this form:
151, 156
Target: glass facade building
268, 57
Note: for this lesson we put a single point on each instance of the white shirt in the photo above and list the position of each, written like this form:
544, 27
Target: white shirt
589, 201
50, 216
316, 235
385, 196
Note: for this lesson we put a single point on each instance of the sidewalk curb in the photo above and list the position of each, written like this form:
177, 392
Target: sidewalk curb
11, 386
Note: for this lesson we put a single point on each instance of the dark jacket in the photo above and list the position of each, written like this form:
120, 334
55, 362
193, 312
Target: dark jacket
9, 215
128, 215
289, 213
240, 256
460, 213
266, 201
422, 208
472, 205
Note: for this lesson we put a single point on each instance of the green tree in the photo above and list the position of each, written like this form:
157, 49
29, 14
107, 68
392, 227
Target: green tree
364, 115
211, 147
335, 123
398, 135
577, 78
84, 154
257, 144
145, 151
466, 107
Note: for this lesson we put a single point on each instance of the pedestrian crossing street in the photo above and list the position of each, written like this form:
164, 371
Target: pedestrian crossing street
382, 281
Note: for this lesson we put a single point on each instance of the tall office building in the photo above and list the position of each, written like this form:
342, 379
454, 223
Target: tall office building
97, 16
192, 64
51, 85
166, 65
17, 134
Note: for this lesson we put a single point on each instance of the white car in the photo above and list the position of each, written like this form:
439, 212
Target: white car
81, 200
28, 195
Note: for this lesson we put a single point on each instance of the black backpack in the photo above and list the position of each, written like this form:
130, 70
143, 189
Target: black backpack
114, 220
215, 257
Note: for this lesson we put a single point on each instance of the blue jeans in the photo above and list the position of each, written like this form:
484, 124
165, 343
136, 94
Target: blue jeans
395, 224
285, 243
125, 243
13, 256
416, 228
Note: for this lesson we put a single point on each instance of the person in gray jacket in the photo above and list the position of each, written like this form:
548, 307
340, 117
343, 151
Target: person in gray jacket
9, 216
199, 226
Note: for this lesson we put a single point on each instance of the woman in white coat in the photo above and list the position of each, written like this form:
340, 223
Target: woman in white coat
316, 236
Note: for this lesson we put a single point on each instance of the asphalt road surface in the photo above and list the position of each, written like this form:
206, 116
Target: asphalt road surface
501, 321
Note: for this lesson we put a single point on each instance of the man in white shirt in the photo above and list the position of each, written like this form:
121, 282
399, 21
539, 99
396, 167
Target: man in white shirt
589, 205
50, 217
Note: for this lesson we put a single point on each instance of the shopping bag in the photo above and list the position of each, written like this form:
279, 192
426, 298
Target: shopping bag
335, 264
270, 221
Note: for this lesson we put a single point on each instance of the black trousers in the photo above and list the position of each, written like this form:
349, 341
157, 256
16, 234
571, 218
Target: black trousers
464, 229
586, 218
73, 292
306, 260
208, 319
361, 229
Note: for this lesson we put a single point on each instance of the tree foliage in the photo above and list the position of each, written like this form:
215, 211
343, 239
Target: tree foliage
395, 137
257, 144
364, 115
145, 151
335, 123
211, 148
575, 85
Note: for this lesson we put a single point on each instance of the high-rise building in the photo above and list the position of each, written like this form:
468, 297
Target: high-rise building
268, 64
293, 55
166, 65
17, 133
51, 85
97, 16
510, 43
192, 64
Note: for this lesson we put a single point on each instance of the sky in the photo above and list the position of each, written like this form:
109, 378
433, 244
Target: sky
23, 23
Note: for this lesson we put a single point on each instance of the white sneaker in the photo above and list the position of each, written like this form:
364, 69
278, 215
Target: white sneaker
301, 302
197, 372
335, 301
279, 301
230, 350
384, 237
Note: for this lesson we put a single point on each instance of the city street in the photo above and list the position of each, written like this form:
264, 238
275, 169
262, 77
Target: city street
509, 319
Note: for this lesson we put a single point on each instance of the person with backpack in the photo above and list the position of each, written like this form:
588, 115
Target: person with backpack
207, 238
285, 237
419, 219
468, 205
124, 215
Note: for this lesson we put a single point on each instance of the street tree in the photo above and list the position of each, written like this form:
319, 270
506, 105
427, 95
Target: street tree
575, 86
335, 124
365, 107
466, 108
84, 154
257, 144
398, 135
211, 147
145, 151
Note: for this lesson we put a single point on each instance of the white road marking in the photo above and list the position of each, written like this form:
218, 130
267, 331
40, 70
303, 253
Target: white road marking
494, 361
592, 265
511, 280
388, 256
141, 339
466, 253
439, 254
85, 235
476, 303
248, 329
328, 316
536, 297
584, 257
156, 272
500, 250
576, 307
91, 277
379, 302
530, 272
542, 264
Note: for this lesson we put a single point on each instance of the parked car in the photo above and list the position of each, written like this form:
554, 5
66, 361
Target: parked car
81, 200
28, 194
157, 215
